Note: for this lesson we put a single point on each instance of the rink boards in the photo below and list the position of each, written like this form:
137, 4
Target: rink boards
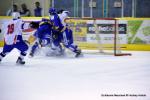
138, 33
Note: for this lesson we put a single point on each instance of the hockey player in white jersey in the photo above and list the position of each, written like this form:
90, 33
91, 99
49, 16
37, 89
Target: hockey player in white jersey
13, 38
68, 33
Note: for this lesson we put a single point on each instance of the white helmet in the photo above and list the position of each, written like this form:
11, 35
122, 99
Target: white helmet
64, 14
15, 15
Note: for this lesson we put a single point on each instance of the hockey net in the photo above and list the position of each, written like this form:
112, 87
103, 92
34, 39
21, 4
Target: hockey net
100, 35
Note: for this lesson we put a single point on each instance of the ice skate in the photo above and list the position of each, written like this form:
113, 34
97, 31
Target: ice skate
78, 53
31, 55
20, 61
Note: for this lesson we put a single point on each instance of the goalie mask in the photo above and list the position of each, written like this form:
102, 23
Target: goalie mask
65, 14
15, 15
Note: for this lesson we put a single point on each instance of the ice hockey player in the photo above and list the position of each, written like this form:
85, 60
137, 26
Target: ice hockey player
42, 36
61, 30
13, 38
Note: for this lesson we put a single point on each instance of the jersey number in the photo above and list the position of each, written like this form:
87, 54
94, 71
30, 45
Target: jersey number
10, 29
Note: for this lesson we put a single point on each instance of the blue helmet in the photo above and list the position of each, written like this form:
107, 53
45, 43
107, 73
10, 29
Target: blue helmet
52, 11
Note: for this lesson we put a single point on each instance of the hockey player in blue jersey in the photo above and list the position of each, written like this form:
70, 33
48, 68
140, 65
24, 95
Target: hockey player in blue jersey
62, 32
13, 38
42, 35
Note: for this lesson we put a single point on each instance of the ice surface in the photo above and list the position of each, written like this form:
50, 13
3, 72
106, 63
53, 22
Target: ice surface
68, 78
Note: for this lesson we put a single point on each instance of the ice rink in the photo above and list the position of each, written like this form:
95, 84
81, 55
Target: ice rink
92, 77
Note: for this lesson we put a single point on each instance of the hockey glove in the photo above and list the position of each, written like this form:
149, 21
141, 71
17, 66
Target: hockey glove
34, 25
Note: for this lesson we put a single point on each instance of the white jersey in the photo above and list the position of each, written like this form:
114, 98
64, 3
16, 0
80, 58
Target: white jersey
12, 29
62, 17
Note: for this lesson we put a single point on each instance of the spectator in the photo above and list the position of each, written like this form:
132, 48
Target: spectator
24, 10
37, 10
13, 9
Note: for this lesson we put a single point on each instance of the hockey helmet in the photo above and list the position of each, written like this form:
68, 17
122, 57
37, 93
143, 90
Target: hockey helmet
15, 15
52, 11
65, 13
62, 11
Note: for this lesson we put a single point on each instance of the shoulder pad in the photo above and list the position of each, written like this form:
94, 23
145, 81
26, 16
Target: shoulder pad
42, 23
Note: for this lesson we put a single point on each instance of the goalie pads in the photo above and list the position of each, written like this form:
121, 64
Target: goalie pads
34, 25
31, 39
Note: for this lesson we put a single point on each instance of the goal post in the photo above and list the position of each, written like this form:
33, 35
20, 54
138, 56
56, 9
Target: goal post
105, 35
117, 44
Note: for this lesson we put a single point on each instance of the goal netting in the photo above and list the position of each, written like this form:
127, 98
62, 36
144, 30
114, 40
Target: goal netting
100, 35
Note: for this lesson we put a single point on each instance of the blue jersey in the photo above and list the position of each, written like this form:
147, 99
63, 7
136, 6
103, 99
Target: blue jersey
44, 30
43, 35
56, 22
